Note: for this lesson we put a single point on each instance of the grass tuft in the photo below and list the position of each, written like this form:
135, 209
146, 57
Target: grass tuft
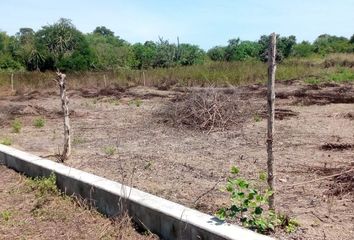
39, 122
6, 141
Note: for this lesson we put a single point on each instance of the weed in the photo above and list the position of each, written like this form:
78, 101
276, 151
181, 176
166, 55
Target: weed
342, 75
6, 215
291, 225
114, 101
137, 102
6, 141
248, 206
78, 140
39, 122
110, 150
16, 125
257, 118
44, 185
148, 165
313, 81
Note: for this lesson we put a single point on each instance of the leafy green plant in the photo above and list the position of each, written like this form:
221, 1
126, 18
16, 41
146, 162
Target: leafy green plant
39, 122
110, 150
44, 185
257, 118
249, 205
6, 141
6, 215
16, 125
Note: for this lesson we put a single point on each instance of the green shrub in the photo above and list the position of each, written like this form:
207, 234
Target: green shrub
44, 185
6, 141
39, 122
16, 125
249, 206
6, 215
137, 102
110, 150
343, 75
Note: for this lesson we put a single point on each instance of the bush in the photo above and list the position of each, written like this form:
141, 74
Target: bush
7, 62
44, 185
210, 109
110, 150
6, 141
249, 206
16, 126
39, 122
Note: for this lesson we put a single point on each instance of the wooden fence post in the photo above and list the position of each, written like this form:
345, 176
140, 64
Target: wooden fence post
105, 80
12, 82
64, 105
270, 100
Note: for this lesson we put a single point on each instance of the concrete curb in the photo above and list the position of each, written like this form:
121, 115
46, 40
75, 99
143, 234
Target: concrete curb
167, 219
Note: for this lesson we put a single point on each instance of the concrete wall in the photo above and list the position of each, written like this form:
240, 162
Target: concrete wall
167, 219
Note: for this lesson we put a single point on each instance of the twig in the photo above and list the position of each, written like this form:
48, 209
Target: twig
207, 192
317, 179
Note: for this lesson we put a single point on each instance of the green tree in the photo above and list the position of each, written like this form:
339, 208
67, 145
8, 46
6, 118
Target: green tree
189, 54
102, 30
62, 40
326, 43
144, 55
284, 47
7, 60
109, 51
351, 40
217, 53
165, 54
27, 50
303, 49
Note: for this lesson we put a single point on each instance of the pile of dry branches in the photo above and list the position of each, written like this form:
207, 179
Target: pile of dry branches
210, 109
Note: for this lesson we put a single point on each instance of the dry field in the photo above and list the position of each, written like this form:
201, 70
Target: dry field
127, 135
31, 210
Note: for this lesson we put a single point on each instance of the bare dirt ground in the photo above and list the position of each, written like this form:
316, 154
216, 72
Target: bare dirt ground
125, 136
26, 213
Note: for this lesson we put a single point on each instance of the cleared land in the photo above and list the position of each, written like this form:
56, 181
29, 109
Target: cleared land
33, 210
128, 136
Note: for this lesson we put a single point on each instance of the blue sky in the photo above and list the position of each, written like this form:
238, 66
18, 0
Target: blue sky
203, 22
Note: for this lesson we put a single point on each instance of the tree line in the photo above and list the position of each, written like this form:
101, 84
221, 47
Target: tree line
61, 45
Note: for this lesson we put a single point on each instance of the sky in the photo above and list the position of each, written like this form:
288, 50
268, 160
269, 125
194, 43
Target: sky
206, 23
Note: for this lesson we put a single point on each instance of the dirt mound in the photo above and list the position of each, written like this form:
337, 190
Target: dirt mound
343, 184
336, 146
108, 91
280, 114
320, 94
349, 115
11, 111
22, 97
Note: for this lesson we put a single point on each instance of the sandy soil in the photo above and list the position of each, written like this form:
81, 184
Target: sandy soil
25, 213
182, 164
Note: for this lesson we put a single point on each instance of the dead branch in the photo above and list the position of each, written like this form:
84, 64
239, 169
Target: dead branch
210, 109
317, 179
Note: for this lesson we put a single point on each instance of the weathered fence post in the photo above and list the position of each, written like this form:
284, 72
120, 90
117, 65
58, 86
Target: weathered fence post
270, 100
105, 80
144, 78
64, 105
12, 82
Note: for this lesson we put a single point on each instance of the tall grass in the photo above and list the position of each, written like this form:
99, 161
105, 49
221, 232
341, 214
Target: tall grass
211, 73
